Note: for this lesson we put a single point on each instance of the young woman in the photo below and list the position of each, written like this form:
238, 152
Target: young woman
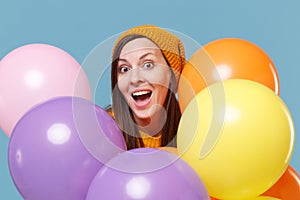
146, 66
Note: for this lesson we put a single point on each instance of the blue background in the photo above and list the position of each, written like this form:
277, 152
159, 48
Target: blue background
79, 26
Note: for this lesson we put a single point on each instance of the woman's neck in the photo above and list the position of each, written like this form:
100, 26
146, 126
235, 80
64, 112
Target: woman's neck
152, 126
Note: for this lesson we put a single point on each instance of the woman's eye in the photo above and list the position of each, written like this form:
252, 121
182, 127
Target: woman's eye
123, 69
148, 65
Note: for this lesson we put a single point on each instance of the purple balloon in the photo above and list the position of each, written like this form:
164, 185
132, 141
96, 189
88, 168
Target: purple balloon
52, 153
147, 174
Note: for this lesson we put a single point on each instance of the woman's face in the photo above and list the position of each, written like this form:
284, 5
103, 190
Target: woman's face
143, 78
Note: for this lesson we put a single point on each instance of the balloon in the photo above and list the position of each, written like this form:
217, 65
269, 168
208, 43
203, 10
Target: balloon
222, 59
287, 187
253, 198
170, 149
255, 138
47, 157
147, 174
34, 73
258, 198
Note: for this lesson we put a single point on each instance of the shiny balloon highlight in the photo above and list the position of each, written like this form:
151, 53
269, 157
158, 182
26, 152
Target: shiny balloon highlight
34, 73
223, 59
147, 174
47, 158
240, 144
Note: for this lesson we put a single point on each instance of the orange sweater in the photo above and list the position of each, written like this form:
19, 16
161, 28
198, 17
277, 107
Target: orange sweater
149, 141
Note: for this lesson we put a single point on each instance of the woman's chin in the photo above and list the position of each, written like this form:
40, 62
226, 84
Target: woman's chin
153, 115
142, 115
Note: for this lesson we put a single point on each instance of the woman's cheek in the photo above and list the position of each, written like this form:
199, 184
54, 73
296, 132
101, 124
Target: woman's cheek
122, 84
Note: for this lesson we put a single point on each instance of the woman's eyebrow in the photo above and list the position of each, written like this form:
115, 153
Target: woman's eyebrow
145, 55
122, 60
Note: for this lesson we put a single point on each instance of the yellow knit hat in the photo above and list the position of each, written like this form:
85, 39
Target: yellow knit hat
170, 45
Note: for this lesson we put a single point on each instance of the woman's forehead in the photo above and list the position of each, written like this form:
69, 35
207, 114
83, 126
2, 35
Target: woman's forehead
139, 45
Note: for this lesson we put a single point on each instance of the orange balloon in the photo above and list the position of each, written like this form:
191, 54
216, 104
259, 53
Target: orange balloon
227, 58
287, 187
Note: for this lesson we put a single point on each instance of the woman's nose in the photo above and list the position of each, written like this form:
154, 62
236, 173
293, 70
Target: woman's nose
137, 76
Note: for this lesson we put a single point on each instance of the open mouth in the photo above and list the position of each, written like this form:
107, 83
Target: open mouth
141, 96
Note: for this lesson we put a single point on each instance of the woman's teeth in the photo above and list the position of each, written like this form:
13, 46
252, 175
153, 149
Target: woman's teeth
141, 94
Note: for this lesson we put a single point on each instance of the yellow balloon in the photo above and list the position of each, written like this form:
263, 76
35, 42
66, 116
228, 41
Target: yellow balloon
264, 198
238, 135
258, 198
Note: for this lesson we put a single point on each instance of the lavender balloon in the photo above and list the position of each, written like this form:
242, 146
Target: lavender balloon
147, 174
52, 153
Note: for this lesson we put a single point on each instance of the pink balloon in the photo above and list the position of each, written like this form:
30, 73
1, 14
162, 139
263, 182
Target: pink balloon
34, 73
